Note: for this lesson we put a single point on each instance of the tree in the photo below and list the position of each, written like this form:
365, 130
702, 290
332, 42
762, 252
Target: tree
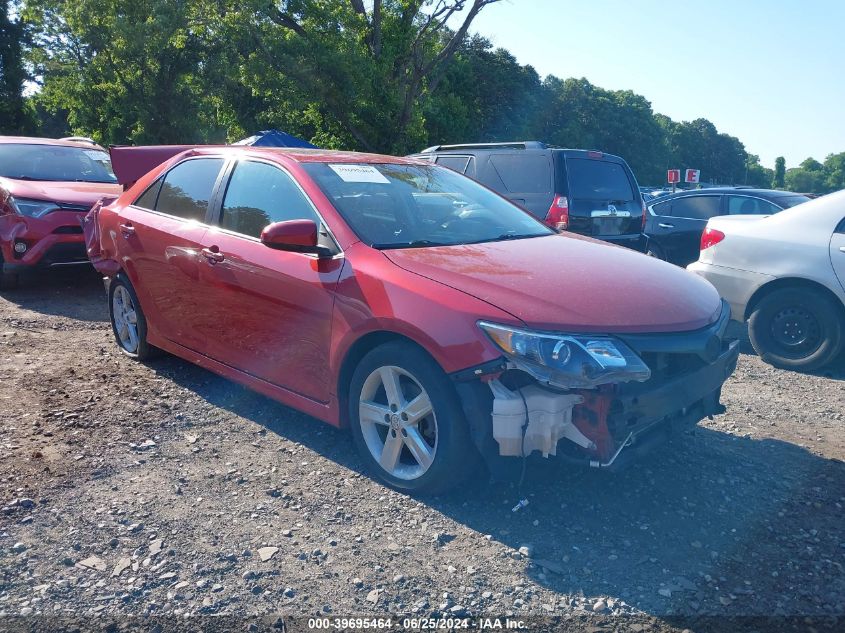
126, 70
801, 180
14, 34
756, 174
834, 170
780, 172
485, 95
362, 69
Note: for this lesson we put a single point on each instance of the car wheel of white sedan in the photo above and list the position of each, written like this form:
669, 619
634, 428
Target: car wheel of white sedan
406, 420
127, 320
797, 328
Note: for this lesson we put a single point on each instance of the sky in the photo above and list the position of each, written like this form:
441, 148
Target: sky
770, 72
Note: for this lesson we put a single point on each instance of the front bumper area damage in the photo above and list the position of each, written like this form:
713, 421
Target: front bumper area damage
512, 415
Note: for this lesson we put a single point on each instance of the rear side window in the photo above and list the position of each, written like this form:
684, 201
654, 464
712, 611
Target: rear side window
744, 205
147, 200
696, 207
787, 202
260, 194
598, 180
456, 163
524, 173
187, 188
662, 208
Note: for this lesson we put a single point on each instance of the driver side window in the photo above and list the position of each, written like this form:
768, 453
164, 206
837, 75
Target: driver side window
260, 194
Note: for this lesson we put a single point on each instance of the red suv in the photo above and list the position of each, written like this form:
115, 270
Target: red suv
46, 187
435, 318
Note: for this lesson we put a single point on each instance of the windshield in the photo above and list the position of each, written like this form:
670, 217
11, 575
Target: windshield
788, 202
400, 206
55, 162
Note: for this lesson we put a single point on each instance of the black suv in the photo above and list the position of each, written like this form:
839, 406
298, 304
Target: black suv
674, 223
586, 192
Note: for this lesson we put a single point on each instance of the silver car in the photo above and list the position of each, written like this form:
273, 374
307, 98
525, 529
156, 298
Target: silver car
785, 275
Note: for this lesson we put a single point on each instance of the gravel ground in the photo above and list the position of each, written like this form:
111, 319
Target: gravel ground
162, 490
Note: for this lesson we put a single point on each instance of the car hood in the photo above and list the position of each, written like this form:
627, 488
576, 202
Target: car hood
78, 193
567, 282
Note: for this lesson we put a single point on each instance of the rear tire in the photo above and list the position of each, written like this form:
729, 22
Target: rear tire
407, 421
128, 322
797, 328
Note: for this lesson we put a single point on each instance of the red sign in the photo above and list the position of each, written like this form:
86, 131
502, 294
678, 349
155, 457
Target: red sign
692, 175
673, 176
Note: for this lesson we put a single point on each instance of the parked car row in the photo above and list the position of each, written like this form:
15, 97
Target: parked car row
445, 324
674, 223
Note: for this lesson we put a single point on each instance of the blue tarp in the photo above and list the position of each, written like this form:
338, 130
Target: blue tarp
274, 138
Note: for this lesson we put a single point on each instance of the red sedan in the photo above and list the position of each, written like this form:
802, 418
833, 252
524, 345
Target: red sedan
46, 187
432, 316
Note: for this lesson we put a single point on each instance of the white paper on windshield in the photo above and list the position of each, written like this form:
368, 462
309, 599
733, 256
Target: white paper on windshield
359, 173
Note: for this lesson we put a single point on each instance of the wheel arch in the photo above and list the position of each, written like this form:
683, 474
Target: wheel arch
356, 352
790, 282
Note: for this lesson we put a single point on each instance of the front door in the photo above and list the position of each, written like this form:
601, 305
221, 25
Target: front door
269, 311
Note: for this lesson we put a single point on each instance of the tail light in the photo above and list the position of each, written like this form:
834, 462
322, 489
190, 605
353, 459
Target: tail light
644, 215
558, 215
711, 237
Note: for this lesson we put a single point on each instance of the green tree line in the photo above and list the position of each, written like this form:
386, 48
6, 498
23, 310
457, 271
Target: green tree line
388, 76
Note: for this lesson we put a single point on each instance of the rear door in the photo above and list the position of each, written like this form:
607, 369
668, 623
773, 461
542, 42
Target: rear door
603, 198
268, 311
160, 241
524, 177
689, 217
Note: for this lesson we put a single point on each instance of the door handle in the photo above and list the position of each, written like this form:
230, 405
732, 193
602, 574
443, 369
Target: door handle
127, 229
212, 254
666, 226
842, 249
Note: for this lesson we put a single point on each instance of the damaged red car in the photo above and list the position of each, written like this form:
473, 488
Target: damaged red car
46, 188
437, 320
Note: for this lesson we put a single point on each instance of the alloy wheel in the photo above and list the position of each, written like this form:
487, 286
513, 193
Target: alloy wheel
125, 319
398, 422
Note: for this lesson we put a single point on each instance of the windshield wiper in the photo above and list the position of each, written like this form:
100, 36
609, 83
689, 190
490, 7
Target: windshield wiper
411, 244
510, 236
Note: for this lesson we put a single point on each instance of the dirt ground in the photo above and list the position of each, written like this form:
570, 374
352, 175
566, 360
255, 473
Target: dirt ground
162, 490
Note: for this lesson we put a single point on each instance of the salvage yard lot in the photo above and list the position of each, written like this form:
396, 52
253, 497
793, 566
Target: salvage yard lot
162, 489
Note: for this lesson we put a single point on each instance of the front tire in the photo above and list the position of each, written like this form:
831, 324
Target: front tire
128, 322
407, 421
797, 328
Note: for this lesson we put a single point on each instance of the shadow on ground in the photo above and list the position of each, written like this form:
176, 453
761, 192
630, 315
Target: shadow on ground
712, 523
75, 292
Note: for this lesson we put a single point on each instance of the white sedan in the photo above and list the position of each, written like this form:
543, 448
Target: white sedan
785, 275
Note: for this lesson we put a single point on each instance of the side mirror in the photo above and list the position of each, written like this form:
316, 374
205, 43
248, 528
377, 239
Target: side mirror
298, 236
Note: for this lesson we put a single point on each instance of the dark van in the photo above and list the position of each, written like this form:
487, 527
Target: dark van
583, 191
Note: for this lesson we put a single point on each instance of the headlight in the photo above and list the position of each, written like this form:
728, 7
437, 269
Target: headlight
32, 208
568, 360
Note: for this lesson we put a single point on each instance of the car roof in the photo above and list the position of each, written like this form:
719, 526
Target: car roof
739, 191
131, 162
37, 140
523, 146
